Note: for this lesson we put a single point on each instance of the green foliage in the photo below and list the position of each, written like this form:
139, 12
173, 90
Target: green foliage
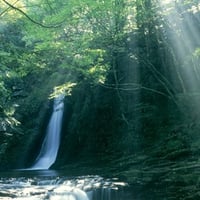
124, 47
197, 53
65, 89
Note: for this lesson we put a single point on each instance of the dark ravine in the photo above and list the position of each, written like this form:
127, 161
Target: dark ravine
139, 123
156, 170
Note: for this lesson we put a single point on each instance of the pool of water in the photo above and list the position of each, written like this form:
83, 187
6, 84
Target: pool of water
55, 185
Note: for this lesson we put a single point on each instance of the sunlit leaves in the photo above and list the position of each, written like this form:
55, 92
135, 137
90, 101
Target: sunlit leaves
98, 73
6, 110
8, 14
87, 35
197, 53
71, 44
64, 89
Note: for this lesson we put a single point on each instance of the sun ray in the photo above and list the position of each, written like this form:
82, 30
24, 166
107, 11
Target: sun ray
184, 39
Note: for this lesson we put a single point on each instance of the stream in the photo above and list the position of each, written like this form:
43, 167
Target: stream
54, 185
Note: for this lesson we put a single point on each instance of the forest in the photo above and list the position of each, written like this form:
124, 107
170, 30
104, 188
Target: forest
130, 73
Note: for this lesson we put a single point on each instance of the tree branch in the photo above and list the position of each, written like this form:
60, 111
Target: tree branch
133, 87
4, 11
31, 19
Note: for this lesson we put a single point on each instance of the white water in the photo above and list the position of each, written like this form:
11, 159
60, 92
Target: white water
65, 188
51, 143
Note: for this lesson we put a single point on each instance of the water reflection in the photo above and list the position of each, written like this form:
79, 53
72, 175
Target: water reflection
53, 185
29, 173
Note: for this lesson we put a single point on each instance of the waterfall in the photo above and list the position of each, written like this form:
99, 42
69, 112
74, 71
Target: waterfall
51, 143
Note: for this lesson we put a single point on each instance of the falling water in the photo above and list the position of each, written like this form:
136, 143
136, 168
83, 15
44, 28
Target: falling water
50, 146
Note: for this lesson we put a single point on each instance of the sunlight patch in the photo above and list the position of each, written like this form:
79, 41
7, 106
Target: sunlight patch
166, 1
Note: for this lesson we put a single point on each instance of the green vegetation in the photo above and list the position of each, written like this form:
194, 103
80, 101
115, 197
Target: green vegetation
130, 70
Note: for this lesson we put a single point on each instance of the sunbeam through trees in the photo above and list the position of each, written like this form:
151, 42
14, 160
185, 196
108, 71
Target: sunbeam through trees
130, 74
